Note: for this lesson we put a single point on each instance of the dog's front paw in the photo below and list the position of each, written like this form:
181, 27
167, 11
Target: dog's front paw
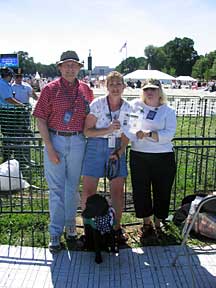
98, 258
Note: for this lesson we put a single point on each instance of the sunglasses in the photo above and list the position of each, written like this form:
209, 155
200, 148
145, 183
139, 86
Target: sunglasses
151, 89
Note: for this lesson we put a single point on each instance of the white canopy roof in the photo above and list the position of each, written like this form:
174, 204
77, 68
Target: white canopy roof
185, 78
148, 74
37, 76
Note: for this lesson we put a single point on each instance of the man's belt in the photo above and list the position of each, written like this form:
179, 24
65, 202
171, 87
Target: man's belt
65, 133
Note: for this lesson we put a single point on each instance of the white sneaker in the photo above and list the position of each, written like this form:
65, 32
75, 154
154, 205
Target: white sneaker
54, 245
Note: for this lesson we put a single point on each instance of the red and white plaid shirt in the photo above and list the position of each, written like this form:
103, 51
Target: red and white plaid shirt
59, 97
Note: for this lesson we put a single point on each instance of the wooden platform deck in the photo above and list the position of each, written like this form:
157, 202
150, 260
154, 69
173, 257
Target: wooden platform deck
146, 267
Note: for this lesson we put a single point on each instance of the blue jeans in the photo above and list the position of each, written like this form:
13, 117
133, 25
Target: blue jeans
63, 180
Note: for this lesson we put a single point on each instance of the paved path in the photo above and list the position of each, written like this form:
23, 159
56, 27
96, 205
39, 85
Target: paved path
146, 267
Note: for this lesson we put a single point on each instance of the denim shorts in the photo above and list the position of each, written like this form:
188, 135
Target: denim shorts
97, 156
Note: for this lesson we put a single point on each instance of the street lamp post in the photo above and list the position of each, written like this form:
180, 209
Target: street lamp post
90, 64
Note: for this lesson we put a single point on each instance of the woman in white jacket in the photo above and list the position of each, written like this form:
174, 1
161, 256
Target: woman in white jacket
152, 160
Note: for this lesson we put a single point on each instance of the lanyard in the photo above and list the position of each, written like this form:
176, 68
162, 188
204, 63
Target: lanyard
110, 113
67, 95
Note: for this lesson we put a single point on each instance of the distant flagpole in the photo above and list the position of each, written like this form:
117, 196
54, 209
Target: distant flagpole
124, 46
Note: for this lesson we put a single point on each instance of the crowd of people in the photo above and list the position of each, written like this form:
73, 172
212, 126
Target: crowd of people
88, 137
15, 114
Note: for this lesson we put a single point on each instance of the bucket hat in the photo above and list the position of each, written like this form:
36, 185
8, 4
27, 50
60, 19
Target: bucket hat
69, 56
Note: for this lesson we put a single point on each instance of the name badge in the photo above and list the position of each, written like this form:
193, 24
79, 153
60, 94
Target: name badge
67, 117
124, 118
111, 141
151, 115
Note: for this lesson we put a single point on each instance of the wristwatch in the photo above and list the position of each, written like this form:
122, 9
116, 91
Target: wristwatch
150, 134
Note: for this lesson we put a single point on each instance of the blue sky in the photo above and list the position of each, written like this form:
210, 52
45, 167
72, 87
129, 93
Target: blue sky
45, 29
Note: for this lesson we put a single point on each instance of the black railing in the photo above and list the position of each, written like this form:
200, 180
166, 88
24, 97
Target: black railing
194, 144
195, 173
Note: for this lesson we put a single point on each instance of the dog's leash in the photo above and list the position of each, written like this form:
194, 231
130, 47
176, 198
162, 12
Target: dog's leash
113, 166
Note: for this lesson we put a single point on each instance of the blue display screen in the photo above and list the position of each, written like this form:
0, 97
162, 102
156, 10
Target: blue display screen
9, 60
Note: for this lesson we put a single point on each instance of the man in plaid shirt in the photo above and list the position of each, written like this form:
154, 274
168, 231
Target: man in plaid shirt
61, 111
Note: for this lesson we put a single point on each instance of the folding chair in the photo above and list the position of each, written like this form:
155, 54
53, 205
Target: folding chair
196, 206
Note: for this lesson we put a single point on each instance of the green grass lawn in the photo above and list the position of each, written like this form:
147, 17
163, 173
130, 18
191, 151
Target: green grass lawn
198, 126
32, 230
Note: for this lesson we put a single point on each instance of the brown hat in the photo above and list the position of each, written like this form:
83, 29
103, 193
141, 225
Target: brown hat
151, 83
69, 56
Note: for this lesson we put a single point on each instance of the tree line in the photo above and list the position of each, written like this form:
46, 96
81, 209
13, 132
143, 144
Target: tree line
177, 57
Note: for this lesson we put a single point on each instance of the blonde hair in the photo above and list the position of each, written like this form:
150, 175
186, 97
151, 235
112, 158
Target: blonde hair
114, 74
163, 98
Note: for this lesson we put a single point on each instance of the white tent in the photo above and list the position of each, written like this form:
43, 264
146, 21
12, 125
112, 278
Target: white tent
148, 74
186, 78
37, 76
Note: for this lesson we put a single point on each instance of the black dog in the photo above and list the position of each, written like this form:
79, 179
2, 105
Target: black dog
98, 218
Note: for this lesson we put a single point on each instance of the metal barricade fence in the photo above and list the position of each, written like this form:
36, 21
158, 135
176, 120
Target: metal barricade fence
195, 151
195, 173
196, 115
